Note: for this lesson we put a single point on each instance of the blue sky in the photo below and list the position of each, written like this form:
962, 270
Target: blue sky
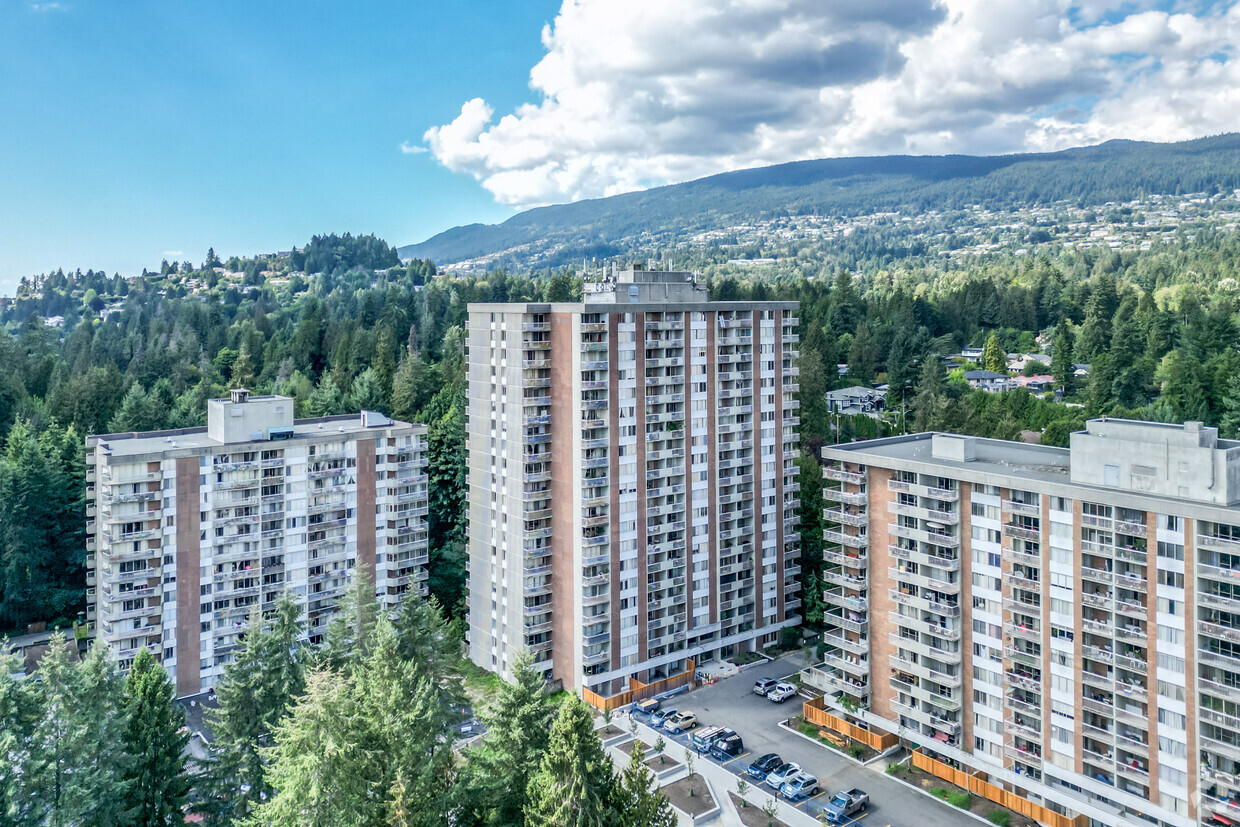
130, 129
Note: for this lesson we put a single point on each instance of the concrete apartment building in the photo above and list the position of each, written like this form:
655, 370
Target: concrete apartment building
632, 480
1066, 621
189, 530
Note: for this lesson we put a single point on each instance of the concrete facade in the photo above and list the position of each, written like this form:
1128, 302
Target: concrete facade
1066, 620
631, 480
187, 535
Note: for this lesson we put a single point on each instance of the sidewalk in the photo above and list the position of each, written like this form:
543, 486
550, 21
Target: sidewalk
721, 781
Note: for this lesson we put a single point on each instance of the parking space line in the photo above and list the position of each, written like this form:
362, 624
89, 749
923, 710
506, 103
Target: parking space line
736, 758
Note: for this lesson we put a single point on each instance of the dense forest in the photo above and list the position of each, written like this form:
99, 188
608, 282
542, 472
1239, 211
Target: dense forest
1112, 172
360, 732
84, 353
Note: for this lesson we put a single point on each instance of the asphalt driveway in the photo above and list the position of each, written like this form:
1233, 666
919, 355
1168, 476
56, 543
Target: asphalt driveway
731, 702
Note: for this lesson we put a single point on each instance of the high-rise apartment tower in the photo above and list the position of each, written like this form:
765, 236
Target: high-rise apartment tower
189, 531
1066, 621
632, 480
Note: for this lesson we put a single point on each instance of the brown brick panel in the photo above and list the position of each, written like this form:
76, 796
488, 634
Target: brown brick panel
1078, 633
755, 351
643, 598
564, 580
712, 463
613, 434
1190, 655
779, 459
880, 603
366, 484
189, 616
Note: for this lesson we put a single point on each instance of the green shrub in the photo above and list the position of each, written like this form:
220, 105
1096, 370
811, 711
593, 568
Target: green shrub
999, 818
939, 792
856, 750
960, 799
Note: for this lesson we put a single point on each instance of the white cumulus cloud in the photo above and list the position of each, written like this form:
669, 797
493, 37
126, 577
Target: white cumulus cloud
637, 93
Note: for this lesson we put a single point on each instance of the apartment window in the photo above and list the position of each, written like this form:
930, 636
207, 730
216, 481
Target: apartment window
1170, 578
1170, 522
1170, 607
1170, 690
1170, 663
988, 535
1064, 736
1171, 551
1172, 747
1063, 607
1172, 719
1061, 504
1061, 633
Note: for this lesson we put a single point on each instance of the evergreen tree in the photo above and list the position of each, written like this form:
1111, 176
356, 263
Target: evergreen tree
155, 740
1062, 366
994, 356
412, 387
495, 781
1128, 386
328, 399
19, 709
635, 802
316, 761
574, 784
367, 393
243, 369
1230, 424
929, 392
862, 356
102, 780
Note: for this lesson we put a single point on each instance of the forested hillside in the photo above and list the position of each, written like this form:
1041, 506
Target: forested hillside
1159, 328
1112, 172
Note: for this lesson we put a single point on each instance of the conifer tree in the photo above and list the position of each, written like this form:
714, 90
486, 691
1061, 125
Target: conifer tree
155, 740
636, 804
994, 357
495, 780
101, 780
574, 784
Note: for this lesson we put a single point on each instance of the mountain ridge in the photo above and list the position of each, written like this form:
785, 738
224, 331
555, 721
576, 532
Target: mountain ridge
1116, 170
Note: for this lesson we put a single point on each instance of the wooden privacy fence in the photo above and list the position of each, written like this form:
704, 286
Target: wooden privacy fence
978, 784
638, 691
816, 714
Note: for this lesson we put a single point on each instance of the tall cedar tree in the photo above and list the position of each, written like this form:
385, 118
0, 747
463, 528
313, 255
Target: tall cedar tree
254, 695
155, 739
575, 784
495, 779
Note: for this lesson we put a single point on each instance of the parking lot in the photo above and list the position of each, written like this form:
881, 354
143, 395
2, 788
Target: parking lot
731, 703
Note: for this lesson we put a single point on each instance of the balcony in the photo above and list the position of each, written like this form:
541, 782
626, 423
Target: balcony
1023, 509
844, 517
857, 541
846, 497
840, 475
855, 603
1021, 532
945, 494
924, 536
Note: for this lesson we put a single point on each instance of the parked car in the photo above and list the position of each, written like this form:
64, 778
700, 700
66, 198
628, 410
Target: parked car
844, 805
801, 785
660, 716
776, 777
649, 706
704, 738
758, 769
681, 722
781, 692
763, 686
725, 749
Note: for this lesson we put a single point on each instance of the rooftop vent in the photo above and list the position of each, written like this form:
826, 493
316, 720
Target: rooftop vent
239, 395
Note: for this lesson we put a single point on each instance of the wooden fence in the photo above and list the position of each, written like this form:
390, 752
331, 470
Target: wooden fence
638, 691
815, 712
978, 784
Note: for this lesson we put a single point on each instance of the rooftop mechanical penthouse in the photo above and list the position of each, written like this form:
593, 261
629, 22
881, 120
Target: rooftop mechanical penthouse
632, 480
1066, 621
190, 531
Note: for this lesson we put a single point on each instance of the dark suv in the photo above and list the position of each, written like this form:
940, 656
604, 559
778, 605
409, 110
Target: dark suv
727, 748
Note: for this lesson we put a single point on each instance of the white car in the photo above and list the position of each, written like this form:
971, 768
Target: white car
776, 777
781, 692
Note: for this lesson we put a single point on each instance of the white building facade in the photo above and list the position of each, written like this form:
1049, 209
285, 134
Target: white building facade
632, 480
191, 531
